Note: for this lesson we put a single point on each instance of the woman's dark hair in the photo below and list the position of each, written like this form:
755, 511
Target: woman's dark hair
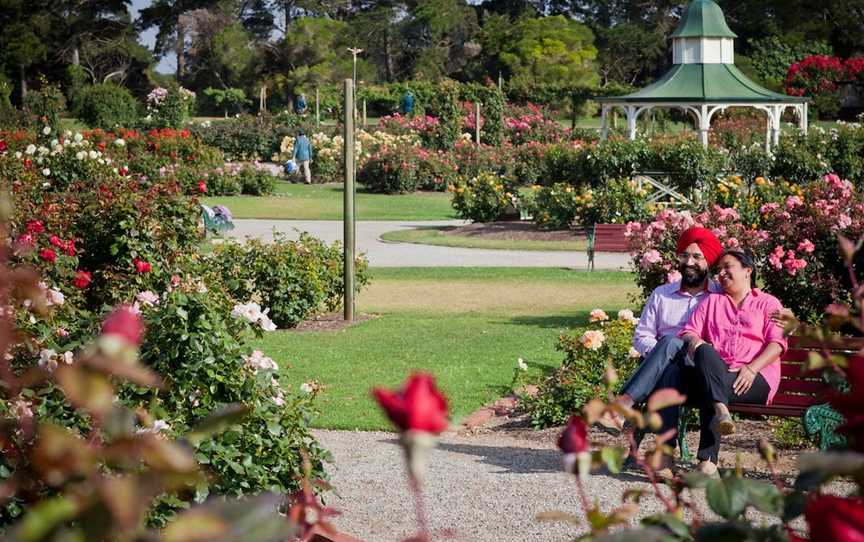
745, 257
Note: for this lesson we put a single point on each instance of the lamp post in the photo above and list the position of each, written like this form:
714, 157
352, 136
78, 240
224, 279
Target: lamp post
354, 52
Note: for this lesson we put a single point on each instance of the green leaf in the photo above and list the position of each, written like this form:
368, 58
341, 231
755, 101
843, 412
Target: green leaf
765, 497
724, 532
613, 458
696, 480
727, 497
45, 517
217, 422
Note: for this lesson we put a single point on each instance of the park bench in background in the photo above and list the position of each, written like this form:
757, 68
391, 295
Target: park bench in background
802, 394
215, 222
606, 238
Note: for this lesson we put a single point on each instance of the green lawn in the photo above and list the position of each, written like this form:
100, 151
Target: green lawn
435, 236
324, 202
466, 326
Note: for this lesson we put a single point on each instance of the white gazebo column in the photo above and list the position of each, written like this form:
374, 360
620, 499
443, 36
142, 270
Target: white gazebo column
631, 122
604, 122
805, 108
768, 125
704, 125
778, 114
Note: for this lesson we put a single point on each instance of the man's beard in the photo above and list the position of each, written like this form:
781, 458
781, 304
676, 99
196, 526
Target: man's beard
692, 276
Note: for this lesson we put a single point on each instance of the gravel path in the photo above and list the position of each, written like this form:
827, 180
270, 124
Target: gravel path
485, 487
388, 254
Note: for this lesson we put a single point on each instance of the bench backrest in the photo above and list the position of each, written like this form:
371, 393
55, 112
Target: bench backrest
610, 238
800, 388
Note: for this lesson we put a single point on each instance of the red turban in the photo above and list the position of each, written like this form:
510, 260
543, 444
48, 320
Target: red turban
707, 241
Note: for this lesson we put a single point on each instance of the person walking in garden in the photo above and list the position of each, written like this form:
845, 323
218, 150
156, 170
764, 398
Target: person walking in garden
406, 104
667, 310
303, 154
736, 345
300, 104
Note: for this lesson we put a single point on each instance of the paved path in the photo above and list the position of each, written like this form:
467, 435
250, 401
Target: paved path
388, 254
481, 488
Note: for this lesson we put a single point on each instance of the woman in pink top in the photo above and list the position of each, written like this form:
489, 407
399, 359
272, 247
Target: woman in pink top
736, 348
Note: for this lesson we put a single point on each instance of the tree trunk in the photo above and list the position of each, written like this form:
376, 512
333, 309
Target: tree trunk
23, 74
181, 49
76, 56
388, 56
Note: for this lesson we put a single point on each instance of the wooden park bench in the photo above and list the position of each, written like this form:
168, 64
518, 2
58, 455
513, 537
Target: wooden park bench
802, 394
606, 238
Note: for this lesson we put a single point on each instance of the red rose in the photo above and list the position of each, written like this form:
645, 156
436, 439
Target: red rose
3, 145
123, 171
202, 186
835, 518
57, 242
574, 439
82, 279
141, 266
27, 163
69, 247
48, 255
35, 226
25, 242
101, 146
124, 323
419, 406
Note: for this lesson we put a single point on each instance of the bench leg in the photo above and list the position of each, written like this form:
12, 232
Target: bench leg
683, 419
823, 420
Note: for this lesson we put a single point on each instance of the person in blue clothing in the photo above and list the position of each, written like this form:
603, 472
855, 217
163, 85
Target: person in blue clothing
300, 104
303, 154
406, 105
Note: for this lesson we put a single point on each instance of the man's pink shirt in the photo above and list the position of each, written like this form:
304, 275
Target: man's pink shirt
740, 334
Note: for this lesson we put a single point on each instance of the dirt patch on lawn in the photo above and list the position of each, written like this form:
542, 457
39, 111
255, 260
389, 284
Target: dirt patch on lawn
331, 322
513, 231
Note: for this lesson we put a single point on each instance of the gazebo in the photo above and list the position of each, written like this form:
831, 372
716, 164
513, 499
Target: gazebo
704, 80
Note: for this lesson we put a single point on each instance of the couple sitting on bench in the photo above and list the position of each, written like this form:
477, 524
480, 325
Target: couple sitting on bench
712, 341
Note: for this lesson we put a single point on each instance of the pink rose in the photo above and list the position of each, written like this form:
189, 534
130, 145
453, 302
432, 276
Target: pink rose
649, 258
806, 246
673, 276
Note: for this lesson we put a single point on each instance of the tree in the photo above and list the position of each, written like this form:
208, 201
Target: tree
551, 50
165, 15
23, 38
630, 54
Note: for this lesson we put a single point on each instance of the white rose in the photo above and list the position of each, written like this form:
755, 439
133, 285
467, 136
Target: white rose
120, 142
93, 155
46, 172
80, 155
46, 359
78, 137
306, 387
31, 148
521, 364
46, 130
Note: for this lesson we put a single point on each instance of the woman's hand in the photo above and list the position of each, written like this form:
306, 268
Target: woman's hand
693, 344
783, 317
745, 379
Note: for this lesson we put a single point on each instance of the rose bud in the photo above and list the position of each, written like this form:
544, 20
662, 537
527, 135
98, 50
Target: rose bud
202, 187
419, 410
574, 443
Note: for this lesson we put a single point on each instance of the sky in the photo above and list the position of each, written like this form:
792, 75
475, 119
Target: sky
167, 64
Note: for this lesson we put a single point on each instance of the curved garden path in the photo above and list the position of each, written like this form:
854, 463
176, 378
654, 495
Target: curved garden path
388, 254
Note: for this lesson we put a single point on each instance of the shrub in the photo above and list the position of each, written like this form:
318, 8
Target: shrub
580, 377
294, 279
529, 163
45, 105
107, 106
483, 198
249, 137
391, 170
532, 123
556, 207
171, 107
817, 76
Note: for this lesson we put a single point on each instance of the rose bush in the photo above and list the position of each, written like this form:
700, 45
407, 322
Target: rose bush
580, 377
484, 198
294, 279
787, 227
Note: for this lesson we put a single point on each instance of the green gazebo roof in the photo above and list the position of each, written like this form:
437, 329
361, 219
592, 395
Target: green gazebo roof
703, 18
704, 83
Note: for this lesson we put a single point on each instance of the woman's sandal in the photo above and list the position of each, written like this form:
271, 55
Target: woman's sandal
610, 423
725, 425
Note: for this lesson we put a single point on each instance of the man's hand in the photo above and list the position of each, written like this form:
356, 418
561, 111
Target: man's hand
745, 379
693, 343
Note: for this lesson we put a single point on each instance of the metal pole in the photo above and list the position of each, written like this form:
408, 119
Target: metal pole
477, 122
348, 202
364, 113
317, 109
